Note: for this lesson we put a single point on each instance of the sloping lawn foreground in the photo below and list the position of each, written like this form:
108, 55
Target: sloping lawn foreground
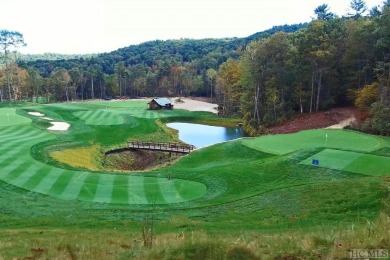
254, 198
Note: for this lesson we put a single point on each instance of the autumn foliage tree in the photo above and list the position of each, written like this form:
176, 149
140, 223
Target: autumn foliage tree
265, 78
10, 40
229, 87
366, 96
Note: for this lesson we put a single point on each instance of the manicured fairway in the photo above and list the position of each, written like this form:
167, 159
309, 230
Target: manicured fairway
259, 191
8, 117
18, 168
132, 104
338, 139
100, 117
114, 116
352, 161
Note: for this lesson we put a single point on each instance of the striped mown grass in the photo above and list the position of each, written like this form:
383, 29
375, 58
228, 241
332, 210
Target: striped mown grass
18, 168
99, 117
261, 205
67, 184
133, 104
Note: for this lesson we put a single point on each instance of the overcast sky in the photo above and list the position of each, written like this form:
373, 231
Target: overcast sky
95, 26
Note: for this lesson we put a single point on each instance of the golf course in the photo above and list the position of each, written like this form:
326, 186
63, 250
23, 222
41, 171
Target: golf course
309, 190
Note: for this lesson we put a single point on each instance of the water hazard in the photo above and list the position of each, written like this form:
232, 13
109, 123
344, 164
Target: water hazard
205, 135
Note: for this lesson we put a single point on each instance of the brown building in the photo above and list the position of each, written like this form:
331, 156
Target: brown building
160, 103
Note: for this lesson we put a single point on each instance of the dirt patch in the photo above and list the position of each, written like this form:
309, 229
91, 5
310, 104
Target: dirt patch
334, 118
136, 160
194, 105
343, 123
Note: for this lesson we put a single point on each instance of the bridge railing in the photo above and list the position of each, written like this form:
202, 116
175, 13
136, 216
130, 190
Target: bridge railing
161, 146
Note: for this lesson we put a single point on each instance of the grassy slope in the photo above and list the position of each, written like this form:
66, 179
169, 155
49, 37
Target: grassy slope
248, 191
352, 161
309, 139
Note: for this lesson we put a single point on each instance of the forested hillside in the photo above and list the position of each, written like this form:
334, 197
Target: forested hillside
264, 78
204, 53
173, 67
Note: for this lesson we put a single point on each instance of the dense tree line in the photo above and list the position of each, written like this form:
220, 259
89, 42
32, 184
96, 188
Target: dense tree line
156, 68
334, 61
264, 78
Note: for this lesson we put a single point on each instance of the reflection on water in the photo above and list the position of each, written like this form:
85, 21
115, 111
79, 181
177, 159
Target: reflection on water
204, 135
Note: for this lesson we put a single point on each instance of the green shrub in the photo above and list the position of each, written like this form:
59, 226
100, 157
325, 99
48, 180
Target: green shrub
379, 120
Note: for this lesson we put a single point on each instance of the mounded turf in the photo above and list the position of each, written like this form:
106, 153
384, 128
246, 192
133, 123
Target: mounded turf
113, 122
355, 160
368, 164
18, 168
310, 139
237, 189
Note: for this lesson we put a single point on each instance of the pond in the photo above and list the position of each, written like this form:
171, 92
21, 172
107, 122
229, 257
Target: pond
205, 135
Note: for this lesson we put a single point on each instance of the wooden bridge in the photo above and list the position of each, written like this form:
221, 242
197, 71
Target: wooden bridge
161, 146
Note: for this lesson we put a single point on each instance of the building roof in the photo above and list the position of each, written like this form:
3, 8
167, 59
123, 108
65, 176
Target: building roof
162, 101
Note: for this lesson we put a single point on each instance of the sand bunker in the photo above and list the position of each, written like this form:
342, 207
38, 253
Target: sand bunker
36, 114
59, 126
342, 124
41, 115
195, 105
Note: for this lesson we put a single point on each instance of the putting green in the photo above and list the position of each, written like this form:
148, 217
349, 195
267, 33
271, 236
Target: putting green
338, 139
368, 164
8, 117
18, 168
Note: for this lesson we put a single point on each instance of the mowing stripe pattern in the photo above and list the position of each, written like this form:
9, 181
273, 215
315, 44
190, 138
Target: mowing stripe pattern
18, 168
99, 117
104, 188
